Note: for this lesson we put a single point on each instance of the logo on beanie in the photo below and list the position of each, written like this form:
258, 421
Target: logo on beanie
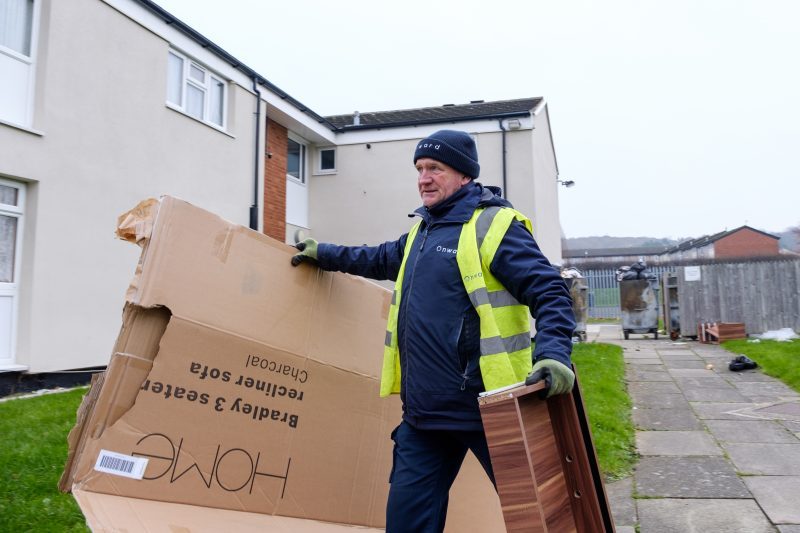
428, 145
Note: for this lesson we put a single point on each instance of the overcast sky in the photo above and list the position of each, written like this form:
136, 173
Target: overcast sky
675, 118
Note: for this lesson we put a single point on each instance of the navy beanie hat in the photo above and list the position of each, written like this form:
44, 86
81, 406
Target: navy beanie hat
453, 148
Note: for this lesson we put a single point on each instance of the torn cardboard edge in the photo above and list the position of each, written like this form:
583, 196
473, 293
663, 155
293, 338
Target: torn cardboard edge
114, 391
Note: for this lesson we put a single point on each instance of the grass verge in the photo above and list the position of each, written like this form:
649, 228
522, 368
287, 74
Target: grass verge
777, 359
601, 371
33, 450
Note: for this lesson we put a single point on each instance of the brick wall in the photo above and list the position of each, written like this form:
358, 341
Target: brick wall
745, 243
275, 181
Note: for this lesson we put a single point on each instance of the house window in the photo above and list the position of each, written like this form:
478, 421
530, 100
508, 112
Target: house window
16, 25
17, 44
195, 90
327, 160
295, 161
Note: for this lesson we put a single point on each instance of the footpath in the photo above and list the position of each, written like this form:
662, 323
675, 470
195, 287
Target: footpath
719, 450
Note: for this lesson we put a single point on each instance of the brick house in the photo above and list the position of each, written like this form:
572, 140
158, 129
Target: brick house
737, 243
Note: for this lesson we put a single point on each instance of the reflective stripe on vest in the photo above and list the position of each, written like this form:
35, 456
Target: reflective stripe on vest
505, 343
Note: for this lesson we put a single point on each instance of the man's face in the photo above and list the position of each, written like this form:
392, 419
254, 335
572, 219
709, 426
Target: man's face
436, 181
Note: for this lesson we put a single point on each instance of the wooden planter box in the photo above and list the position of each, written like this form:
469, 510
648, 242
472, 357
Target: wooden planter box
544, 462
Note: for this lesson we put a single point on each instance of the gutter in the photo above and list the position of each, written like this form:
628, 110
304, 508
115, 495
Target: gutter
437, 120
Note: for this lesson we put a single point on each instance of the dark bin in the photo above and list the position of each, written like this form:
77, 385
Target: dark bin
638, 300
579, 292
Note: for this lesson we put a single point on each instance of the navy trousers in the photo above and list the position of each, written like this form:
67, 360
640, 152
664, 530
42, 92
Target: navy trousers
426, 463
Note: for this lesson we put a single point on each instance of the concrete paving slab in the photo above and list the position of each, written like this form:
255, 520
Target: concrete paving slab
792, 426
752, 376
640, 355
719, 411
763, 431
676, 443
620, 499
666, 419
639, 373
653, 361
705, 382
777, 496
765, 459
682, 363
624, 529
788, 528
658, 400
688, 477
707, 515
713, 395
773, 389
691, 372
654, 386
678, 355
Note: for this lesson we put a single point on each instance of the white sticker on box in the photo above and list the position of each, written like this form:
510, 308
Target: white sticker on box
120, 464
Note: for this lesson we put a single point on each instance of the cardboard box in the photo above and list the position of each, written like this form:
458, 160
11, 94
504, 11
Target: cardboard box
242, 392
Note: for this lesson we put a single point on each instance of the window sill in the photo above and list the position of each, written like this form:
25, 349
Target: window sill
21, 128
203, 122
13, 368
325, 172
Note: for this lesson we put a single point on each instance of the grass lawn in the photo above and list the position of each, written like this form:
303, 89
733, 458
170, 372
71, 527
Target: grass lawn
33, 442
33, 449
780, 360
601, 371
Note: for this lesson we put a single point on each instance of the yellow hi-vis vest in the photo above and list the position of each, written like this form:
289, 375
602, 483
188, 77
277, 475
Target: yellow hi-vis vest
505, 343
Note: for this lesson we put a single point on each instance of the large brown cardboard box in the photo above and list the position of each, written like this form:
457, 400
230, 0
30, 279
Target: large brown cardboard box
242, 393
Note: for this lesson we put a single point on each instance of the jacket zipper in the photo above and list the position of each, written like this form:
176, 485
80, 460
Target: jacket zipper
405, 309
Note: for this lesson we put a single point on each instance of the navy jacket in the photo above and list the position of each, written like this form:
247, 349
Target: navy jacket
438, 329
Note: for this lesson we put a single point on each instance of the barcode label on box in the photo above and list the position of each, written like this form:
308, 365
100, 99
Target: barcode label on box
120, 464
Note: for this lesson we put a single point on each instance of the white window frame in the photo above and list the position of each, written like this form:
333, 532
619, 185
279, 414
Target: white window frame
30, 61
12, 288
303, 160
318, 170
205, 87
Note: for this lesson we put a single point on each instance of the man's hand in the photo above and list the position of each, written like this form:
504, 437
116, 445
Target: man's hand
558, 377
308, 252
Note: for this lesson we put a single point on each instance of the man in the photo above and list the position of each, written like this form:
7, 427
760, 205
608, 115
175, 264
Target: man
467, 275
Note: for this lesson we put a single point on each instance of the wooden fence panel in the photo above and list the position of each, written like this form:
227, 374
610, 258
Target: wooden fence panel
765, 295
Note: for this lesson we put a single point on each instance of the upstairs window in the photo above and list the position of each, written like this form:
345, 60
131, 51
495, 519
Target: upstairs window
327, 161
16, 25
295, 161
195, 90
17, 51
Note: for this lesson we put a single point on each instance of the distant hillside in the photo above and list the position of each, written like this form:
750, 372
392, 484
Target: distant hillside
789, 240
580, 243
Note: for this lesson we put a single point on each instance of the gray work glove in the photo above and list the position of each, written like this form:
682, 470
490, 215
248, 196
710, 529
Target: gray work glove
558, 378
308, 252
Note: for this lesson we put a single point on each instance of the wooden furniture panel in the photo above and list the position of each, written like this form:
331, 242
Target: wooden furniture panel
544, 462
